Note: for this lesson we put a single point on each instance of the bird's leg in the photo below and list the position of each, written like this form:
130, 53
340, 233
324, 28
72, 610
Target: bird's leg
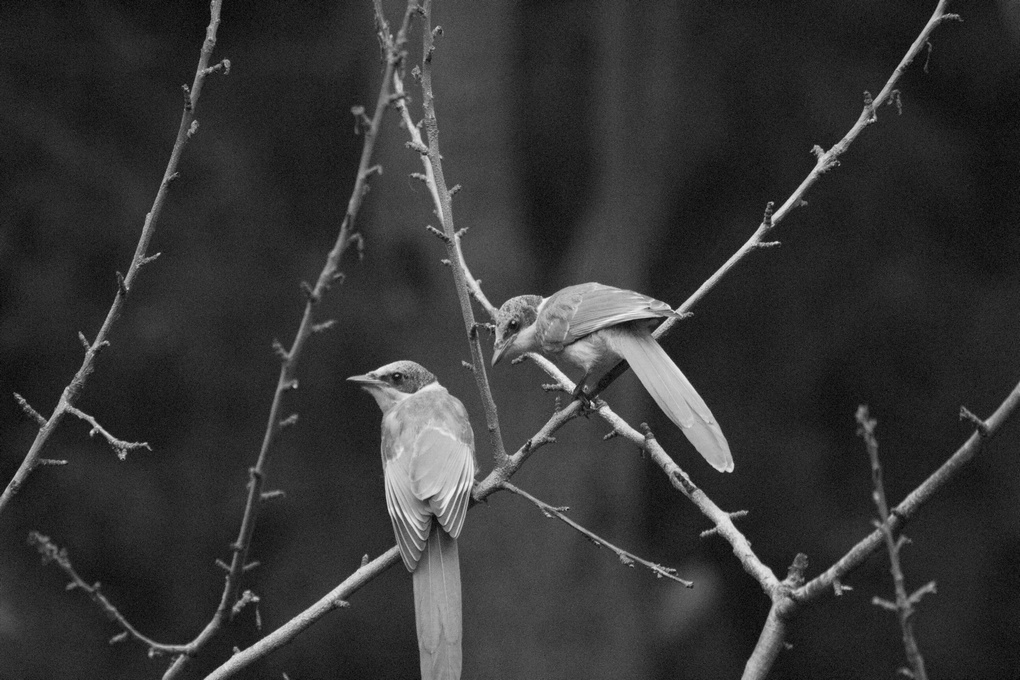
579, 393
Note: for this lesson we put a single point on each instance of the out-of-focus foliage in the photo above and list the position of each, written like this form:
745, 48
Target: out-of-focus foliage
632, 144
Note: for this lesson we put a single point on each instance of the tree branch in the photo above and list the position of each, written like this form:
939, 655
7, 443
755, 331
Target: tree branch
626, 558
73, 390
287, 381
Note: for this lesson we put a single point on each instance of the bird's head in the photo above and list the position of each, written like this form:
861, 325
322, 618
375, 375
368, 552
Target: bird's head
517, 314
393, 382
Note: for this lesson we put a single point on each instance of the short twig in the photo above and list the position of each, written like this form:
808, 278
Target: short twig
119, 446
904, 606
627, 558
51, 553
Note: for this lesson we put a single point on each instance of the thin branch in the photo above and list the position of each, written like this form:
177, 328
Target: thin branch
785, 604
825, 161
120, 447
394, 55
452, 237
903, 606
335, 599
51, 553
627, 558
73, 390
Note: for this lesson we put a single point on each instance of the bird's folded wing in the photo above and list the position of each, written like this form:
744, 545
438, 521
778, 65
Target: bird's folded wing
577, 311
411, 516
442, 473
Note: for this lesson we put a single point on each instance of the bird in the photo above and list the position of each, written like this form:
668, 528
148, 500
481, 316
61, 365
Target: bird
594, 327
428, 457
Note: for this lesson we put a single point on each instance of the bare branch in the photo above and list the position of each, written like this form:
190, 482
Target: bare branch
51, 553
627, 558
903, 606
70, 395
120, 447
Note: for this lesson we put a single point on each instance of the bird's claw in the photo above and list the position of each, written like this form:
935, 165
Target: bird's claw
587, 403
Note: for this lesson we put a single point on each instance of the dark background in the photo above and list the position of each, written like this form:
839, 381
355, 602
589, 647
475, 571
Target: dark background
631, 143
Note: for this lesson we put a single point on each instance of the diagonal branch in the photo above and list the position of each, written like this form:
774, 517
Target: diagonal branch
287, 381
627, 558
69, 397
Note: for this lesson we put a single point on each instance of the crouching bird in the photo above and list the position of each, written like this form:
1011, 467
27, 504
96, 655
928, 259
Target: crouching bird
595, 326
428, 457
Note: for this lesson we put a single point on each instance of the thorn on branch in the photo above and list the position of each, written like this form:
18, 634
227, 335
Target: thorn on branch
325, 325
187, 96
51, 461
192, 129
894, 98
151, 258
883, 603
359, 241
289, 421
768, 244
247, 597
611, 435
438, 234
417, 146
360, 119
869, 106
927, 589
364, 560
818, 151
119, 637
468, 365
517, 360
982, 426
273, 495
29, 411
120, 446
838, 587
445, 262
374, 170
452, 191
279, 350
291, 385
222, 565
122, 288
84, 342
224, 66
250, 566
309, 292
420, 177
767, 219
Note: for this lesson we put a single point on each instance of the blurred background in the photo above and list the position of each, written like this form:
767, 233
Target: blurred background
635, 144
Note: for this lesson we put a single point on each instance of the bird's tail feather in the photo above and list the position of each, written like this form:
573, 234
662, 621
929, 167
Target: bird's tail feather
437, 607
675, 395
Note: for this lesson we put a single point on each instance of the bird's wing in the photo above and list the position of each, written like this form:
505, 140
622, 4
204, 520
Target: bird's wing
577, 311
432, 468
411, 517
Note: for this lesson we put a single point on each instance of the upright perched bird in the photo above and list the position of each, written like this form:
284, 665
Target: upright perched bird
428, 456
595, 326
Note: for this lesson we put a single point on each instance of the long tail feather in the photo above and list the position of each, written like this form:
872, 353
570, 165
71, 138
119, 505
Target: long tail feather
437, 607
675, 395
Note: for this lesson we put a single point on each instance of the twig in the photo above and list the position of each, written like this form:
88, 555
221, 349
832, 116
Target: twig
785, 604
51, 553
825, 161
903, 606
335, 599
119, 446
627, 558
73, 390
452, 237
394, 56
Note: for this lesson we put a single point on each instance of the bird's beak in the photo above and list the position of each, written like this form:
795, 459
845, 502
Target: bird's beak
499, 349
366, 381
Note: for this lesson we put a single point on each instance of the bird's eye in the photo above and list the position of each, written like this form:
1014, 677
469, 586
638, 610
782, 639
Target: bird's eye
397, 377
513, 325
